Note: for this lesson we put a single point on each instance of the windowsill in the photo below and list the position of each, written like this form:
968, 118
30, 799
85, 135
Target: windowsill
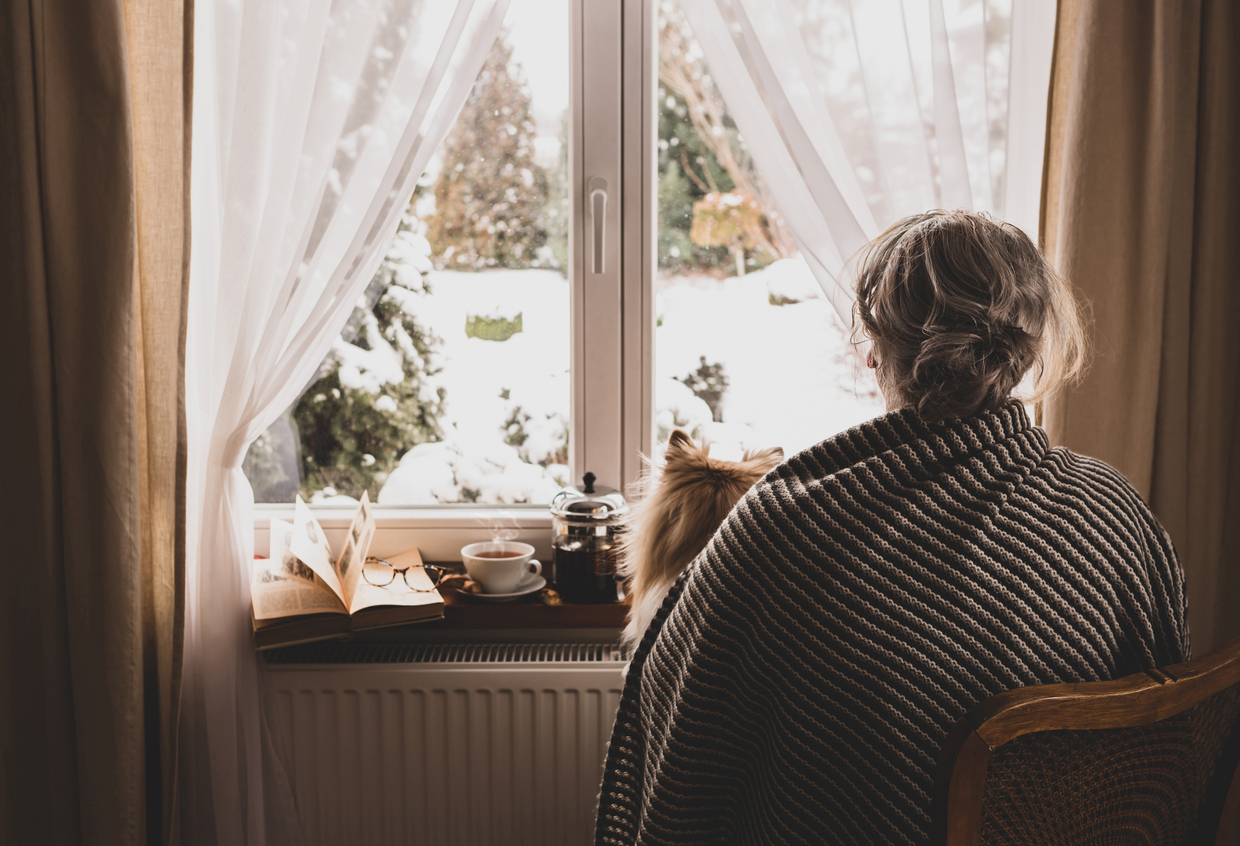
439, 532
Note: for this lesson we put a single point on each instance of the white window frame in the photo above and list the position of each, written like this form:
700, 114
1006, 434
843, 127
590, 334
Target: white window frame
612, 136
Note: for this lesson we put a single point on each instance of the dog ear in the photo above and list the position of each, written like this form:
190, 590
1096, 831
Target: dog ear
678, 442
775, 455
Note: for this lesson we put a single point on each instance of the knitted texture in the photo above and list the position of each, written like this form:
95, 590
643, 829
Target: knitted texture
799, 680
1142, 786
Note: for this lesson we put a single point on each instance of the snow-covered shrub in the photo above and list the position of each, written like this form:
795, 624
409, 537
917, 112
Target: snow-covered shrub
376, 395
790, 281
456, 471
539, 438
679, 408
710, 384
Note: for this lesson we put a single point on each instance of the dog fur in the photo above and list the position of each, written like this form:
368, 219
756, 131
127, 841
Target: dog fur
677, 510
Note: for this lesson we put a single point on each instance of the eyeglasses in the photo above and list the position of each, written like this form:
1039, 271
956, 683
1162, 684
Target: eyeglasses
381, 573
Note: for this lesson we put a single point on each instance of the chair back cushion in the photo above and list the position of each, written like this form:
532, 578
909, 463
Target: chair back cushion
1144, 786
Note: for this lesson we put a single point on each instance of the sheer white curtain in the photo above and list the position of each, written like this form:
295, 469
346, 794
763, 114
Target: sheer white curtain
312, 121
860, 112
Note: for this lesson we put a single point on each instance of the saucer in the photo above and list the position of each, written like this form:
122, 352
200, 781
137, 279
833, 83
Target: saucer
525, 588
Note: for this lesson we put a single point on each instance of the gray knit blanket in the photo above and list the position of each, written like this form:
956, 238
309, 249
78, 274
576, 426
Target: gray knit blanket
800, 678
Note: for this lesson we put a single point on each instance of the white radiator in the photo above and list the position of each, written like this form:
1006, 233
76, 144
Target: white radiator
467, 745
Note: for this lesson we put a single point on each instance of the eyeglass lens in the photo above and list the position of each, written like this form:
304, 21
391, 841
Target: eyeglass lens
378, 572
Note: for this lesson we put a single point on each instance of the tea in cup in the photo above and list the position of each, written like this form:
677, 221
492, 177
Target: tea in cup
500, 566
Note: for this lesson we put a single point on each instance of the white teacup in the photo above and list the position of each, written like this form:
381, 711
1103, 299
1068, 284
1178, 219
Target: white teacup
500, 566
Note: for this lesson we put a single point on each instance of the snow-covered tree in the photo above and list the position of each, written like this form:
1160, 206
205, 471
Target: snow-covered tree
375, 395
491, 194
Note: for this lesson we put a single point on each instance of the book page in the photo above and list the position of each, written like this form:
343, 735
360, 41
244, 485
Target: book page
356, 545
310, 546
398, 593
274, 595
282, 559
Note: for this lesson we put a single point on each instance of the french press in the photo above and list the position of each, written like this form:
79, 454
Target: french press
586, 522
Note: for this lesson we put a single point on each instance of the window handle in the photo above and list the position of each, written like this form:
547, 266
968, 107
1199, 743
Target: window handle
598, 218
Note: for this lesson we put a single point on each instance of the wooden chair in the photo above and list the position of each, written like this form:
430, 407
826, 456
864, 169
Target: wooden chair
1152, 758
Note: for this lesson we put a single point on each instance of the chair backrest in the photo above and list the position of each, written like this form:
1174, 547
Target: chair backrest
1152, 758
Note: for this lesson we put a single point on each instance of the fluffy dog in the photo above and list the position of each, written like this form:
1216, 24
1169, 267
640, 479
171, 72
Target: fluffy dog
678, 509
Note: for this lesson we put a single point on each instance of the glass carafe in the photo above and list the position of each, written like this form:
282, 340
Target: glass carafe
586, 525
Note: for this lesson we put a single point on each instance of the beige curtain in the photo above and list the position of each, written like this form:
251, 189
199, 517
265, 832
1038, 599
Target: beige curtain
1142, 212
159, 46
93, 258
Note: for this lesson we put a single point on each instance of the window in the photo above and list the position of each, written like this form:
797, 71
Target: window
749, 353
591, 260
451, 381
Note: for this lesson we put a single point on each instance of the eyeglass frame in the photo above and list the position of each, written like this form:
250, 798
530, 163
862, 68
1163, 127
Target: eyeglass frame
404, 574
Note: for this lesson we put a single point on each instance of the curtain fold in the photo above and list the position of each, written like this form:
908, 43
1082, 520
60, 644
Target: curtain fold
313, 121
860, 113
90, 333
159, 41
1141, 213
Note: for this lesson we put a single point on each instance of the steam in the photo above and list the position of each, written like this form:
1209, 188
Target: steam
503, 527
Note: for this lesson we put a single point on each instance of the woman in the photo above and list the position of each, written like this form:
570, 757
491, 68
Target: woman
801, 677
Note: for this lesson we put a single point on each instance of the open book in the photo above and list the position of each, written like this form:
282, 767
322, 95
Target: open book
301, 593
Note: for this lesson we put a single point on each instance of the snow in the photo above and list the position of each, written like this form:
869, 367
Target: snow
791, 279
369, 370
458, 470
486, 382
792, 381
329, 497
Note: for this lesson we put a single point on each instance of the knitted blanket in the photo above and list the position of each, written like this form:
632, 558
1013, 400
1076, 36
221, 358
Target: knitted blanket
801, 676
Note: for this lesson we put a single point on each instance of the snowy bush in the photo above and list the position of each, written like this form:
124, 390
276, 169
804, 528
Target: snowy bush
457, 470
679, 408
790, 281
375, 394
709, 383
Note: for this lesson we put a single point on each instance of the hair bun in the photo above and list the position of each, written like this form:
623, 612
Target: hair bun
958, 371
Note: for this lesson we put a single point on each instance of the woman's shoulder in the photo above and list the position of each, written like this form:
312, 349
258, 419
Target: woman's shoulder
1100, 494
1092, 480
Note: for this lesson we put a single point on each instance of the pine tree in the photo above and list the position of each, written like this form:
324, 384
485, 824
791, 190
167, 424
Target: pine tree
491, 193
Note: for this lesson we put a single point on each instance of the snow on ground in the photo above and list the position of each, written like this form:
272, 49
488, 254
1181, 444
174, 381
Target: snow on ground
791, 382
486, 382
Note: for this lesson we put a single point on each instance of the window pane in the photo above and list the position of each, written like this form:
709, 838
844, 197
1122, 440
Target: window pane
450, 382
748, 351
